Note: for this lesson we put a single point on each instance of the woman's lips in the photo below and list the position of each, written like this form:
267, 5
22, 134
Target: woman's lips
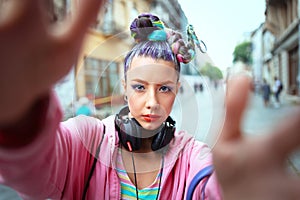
150, 118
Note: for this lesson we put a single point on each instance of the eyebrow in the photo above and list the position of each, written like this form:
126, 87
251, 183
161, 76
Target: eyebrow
162, 83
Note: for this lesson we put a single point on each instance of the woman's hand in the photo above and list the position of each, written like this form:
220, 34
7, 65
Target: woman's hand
35, 54
255, 168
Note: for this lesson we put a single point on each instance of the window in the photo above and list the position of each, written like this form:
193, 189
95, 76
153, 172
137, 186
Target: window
101, 77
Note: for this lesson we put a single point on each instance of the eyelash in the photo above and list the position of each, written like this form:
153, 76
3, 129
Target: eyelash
169, 89
141, 88
138, 87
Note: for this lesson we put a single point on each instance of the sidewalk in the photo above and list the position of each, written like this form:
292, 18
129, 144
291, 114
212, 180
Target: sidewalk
292, 99
260, 119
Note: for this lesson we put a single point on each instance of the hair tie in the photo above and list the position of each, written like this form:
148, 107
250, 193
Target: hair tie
175, 47
157, 35
179, 58
148, 27
159, 24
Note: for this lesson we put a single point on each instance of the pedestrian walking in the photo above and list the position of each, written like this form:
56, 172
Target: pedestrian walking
84, 107
201, 87
277, 89
137, 153
266, 92
196, 87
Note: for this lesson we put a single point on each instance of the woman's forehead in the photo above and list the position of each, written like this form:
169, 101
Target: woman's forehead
151, 70
141, 60
153, 74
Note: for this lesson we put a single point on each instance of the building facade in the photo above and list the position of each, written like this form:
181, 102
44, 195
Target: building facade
282, 22
257, 51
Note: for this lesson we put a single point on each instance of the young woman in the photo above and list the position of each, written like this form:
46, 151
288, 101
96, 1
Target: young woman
136, 153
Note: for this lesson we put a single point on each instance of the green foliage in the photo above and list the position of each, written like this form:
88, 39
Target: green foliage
243, 53
212, 72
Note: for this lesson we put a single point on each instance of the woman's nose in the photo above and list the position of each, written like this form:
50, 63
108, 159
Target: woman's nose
152, 99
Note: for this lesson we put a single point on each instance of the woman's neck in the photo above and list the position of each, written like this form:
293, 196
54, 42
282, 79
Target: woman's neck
145, 145
143, 164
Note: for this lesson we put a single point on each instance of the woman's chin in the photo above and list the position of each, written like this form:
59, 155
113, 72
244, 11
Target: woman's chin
151, 126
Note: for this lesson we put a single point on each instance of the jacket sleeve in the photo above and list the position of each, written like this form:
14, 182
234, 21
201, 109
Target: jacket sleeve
57, 158
201, 157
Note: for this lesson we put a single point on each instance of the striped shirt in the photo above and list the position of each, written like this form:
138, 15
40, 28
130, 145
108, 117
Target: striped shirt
128, 189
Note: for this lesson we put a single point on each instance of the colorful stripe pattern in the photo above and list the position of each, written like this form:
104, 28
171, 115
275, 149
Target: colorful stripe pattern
128, 189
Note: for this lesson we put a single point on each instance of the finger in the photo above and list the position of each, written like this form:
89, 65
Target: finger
286, 136
10, 11
84, 15
15, 13
67, 37
236, 102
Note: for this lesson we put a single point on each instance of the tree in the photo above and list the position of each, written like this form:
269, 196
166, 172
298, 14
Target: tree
243, 53
212, 72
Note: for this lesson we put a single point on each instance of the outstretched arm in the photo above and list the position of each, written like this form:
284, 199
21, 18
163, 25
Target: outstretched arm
36, 54
255, 168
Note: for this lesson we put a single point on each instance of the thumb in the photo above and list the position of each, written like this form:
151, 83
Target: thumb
235, 104
86, 15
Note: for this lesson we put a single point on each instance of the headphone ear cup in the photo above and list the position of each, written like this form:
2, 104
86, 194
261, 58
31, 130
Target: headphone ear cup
119, 127
128, 131
165, 136
133, 135
158, 140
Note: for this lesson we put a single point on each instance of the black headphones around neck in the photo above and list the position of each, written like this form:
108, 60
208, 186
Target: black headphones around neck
129, 130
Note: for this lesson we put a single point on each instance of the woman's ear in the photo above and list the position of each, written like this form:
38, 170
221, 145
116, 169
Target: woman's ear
124, 84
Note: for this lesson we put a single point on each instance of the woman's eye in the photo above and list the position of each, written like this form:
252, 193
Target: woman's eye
165, 89
138, 87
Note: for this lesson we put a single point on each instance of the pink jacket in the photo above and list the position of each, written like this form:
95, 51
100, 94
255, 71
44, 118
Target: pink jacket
57, 163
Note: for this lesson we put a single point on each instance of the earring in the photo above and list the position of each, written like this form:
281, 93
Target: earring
125, 98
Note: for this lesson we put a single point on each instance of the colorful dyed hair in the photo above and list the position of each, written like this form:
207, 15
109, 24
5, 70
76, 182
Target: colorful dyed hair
154, 40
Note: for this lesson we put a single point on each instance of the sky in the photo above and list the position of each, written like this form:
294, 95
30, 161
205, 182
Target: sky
222, 24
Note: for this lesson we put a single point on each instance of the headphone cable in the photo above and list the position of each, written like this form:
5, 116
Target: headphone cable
134, 170
86, 186
161, 174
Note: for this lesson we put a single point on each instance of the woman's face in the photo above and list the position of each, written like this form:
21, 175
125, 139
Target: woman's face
151, 88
